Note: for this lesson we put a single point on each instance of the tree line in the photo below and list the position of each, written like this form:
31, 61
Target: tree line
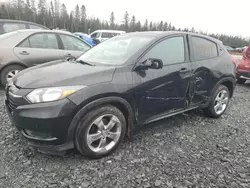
54, 15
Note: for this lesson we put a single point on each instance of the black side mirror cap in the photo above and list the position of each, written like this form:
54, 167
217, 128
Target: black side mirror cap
150, 63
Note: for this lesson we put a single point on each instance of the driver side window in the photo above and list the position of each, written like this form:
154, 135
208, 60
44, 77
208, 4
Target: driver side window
170, 51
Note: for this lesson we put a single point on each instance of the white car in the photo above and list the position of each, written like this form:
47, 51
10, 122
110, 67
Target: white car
102, 35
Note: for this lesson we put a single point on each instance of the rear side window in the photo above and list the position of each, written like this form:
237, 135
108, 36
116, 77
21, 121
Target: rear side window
95, 35
170, 51
203, 48
35, 27
108, 35
8, 27
41, 40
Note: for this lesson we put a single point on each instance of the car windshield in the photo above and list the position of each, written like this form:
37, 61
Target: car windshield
115, 51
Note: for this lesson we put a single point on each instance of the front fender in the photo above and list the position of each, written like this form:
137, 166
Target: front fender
106, 100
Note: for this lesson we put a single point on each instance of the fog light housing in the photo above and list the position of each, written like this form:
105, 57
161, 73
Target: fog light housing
37, 135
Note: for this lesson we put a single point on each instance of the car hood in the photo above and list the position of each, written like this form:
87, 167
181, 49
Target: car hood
63, 73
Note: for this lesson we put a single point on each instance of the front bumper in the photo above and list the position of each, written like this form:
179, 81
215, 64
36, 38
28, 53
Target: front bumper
44, 125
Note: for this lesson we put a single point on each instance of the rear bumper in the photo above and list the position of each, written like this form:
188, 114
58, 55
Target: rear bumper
44, 125
243, 74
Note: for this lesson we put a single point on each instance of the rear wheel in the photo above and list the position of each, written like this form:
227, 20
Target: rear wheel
9, 72
100, 132
241, 81
219, 102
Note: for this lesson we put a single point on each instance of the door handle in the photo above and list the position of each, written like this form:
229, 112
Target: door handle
183, 70
24, 53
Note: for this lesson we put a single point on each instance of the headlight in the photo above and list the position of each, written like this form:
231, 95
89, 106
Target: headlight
51, 94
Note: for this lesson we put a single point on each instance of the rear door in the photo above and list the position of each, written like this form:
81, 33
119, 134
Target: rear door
39, 48
73, 46
206, 64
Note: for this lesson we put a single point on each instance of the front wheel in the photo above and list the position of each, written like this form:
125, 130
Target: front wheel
9, 72
219, 102
100, 132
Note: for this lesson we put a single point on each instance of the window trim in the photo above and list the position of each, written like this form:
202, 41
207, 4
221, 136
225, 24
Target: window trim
61, 42
192, 50
186, 49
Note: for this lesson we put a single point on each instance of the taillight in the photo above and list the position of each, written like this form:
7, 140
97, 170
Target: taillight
246, 53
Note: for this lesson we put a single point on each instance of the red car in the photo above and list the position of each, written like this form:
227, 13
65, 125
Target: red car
243, 69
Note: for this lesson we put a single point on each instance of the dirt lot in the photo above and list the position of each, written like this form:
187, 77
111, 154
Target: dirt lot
187, 150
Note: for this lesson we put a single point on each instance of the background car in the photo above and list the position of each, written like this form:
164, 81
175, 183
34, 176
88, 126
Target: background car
243, 69
13, 25
86, 38
102, 35
24, 48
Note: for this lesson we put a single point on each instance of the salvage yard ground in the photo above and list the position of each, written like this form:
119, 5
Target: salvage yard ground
187, 150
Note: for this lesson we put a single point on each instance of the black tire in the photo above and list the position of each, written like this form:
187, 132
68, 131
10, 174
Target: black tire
8, 69
241, 80
210, 111
86, 122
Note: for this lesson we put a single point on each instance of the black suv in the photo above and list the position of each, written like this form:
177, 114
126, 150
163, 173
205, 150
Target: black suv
92, 102
7, 26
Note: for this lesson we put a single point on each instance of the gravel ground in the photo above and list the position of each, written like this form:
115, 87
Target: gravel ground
187, 150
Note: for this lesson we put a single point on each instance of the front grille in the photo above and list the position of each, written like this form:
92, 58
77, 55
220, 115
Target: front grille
11, 103
10, 99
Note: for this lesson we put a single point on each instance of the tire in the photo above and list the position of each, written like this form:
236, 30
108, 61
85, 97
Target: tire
7, 70
87, 127
241, 80
210, 110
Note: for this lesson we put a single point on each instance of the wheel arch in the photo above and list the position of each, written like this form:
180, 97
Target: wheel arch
229, 82
11, 64
118, 102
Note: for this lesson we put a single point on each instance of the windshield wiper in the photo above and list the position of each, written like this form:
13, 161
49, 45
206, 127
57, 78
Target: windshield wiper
84, 63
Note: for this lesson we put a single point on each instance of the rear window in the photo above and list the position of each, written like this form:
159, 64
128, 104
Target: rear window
8, 27
203, 48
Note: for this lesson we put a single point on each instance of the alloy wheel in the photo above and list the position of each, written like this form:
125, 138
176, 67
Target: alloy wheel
104, 133
11, 75
221, 102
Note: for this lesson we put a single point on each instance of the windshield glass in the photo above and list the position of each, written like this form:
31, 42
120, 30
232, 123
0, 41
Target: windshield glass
115, 51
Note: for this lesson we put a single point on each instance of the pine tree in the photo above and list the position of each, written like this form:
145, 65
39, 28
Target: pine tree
84, 24
112, 20
77, 17
64, 15
126, 21
145, 27
165, 27
160, 26
132, 24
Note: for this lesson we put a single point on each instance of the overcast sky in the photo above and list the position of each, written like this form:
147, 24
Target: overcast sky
216, 16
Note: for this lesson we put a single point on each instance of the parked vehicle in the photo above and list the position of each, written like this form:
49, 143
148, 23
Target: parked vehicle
131, 79
243, 69
102, 35
25, 48
86, 38
7, 26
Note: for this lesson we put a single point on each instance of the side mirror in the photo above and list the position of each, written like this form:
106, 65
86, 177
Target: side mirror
150, 63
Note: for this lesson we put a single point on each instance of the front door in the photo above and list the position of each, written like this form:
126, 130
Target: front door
162, 91
39, 48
